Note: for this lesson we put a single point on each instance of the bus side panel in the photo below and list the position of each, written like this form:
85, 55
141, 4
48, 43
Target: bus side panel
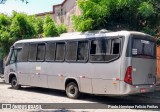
104, 79
23, 73
82, 71
58, 73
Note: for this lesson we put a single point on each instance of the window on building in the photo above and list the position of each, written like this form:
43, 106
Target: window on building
41, 52
32, 52
71, 51
82, 53
50, 51
60, 51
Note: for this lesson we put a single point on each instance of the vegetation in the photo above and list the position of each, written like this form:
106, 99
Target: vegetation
139, 15
62, 29
49, 27
21, 26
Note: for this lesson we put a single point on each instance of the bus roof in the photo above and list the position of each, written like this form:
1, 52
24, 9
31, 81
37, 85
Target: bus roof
80, 35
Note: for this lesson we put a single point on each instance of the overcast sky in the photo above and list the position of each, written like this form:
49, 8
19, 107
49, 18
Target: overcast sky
33, 7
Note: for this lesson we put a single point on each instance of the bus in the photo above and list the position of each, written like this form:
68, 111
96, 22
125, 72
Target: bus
101, 62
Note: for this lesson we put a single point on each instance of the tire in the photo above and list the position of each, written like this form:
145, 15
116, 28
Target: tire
14, 83
72, 90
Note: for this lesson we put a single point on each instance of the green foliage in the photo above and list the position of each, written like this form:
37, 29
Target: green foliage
21, 27
16, 27
139, 15
5, 22
62, 29
38, 25
82, 24
146, 9
49, 27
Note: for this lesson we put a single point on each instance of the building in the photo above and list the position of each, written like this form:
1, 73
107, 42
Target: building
44, 14
63, 12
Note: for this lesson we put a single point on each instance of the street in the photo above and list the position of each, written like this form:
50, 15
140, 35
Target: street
42, 95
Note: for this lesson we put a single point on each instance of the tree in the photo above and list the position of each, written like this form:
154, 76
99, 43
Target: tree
139, 15
62, 29
21, 27
5, 22
49, 27
37, 23
13, 28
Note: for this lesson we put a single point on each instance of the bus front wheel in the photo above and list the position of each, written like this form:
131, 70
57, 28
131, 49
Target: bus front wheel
14, 83
72, 90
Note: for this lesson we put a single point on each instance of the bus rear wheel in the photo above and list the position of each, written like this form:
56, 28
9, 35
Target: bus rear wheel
14, 83
72, 90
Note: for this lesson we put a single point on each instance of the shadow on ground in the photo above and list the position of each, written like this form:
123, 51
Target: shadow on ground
107, 100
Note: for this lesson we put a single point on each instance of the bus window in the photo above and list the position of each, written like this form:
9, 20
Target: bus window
18, 55
50, 51
15, 56
41, 52
71, 49
60, 51
115, 46
32, 52
143, 48
24, 55
102, 50
82, 53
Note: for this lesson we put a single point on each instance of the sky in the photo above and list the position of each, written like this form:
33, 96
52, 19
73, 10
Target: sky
33, 7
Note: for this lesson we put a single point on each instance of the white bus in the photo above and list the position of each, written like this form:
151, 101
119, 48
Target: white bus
103, 63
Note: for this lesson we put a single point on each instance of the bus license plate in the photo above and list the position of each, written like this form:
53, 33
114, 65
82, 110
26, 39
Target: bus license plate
142, 90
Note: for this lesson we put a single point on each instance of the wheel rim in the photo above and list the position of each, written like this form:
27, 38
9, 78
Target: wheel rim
14, 83
72, 90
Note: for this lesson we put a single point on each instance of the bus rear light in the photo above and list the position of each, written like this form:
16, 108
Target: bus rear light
128, 76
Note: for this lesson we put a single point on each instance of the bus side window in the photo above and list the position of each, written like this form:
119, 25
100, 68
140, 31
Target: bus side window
71, 51
24, 54
60, 51
116, 46
41, 52
104, 50
32, 52
50, 51
82, 53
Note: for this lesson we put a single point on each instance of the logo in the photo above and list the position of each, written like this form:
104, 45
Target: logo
6, 106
